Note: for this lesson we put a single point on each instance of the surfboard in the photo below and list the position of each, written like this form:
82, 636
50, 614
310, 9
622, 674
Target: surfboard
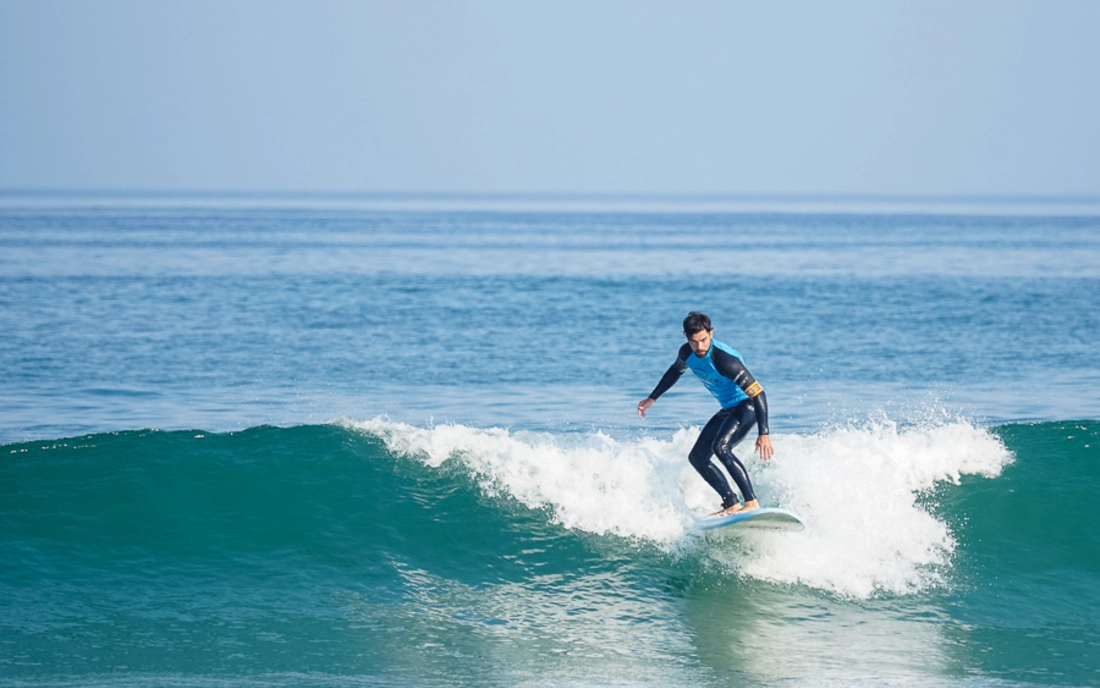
766, 518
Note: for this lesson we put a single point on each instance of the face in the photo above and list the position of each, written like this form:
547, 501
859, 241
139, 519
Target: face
700, 342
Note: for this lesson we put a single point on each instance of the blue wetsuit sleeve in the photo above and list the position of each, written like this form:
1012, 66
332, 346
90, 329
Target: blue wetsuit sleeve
672, 374
734, 369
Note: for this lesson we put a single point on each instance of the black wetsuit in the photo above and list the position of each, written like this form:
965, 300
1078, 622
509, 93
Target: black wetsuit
743, 404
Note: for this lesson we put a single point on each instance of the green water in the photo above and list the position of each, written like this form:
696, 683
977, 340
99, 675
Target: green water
314, 554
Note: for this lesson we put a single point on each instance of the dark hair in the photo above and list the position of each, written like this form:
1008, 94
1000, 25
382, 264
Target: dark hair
696, 322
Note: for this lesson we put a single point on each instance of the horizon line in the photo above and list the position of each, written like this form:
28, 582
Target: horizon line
563, 195
558, 202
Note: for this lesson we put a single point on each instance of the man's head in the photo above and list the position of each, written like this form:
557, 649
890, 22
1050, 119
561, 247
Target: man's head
698, 331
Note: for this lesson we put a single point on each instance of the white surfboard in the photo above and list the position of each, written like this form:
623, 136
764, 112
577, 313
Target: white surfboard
766, 518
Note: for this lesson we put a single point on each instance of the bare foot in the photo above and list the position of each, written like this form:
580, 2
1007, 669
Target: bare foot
751, 505
730, 510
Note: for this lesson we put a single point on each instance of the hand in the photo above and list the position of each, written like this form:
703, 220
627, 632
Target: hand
643, 405
764, 447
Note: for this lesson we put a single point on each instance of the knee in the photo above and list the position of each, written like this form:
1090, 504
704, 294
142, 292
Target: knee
728, 458
699, 459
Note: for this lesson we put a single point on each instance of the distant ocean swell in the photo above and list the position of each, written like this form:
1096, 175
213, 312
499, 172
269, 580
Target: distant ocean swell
216, 552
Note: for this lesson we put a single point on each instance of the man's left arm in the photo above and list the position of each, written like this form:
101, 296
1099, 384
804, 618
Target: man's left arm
732, 367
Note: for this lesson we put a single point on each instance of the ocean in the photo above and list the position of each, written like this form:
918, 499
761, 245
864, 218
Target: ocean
391, 441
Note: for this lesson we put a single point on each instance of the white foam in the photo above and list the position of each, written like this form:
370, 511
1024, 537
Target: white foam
589, 482
856, 488
858, 491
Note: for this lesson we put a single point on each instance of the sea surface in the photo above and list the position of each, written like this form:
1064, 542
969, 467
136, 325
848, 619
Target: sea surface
392, 441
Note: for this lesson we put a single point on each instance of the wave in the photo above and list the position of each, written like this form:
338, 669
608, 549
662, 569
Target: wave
886, 507
452, 552
860, 490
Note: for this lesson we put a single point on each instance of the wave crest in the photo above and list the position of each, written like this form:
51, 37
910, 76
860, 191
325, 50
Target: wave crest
858, 490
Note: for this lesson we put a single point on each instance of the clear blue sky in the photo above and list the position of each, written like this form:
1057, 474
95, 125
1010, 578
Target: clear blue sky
874, 97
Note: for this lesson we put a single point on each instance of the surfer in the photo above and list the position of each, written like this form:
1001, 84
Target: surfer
721, 370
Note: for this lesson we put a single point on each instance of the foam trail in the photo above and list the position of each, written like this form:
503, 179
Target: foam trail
857, 489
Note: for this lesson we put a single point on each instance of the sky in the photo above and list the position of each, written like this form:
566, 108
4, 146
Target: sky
907, 98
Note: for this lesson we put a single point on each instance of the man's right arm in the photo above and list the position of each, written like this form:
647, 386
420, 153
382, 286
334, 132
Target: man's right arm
667, 380
671, 376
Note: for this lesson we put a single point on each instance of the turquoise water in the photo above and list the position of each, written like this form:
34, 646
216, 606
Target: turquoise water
350, 446
316, 554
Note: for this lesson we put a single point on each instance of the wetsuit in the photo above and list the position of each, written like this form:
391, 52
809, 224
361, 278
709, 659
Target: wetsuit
743, 403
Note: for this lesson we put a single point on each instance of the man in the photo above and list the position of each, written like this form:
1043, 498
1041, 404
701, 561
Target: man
721, 370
